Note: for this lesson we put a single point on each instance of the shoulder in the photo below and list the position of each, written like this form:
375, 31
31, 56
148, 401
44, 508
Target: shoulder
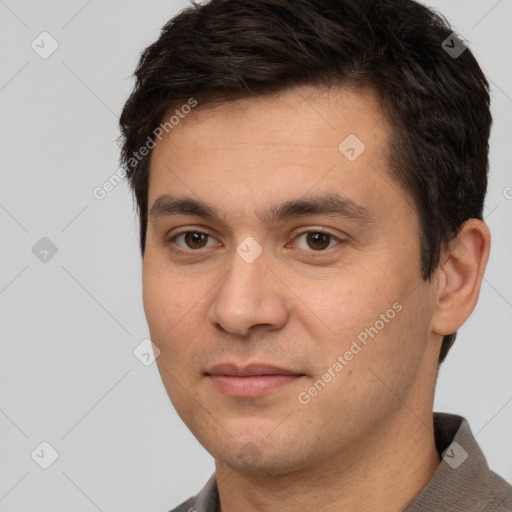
463, 480
206, 501
499, 493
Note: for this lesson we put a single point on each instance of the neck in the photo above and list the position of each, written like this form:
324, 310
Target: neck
373, 474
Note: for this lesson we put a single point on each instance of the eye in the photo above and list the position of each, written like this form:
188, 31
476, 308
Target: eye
192, 240
317, 240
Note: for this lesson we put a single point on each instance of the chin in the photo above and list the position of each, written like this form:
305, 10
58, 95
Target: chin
259, 455
249, 461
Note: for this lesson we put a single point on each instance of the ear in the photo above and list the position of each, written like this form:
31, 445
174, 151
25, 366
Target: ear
460, 275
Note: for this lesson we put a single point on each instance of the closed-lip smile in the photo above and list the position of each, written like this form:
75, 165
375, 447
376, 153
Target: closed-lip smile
250, 381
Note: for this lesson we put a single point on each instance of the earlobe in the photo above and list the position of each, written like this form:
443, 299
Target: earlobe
460, 276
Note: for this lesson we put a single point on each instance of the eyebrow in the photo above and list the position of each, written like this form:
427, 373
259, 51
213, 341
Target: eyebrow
330, 204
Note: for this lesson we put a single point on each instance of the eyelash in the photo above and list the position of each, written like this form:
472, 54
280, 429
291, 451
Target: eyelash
172, 240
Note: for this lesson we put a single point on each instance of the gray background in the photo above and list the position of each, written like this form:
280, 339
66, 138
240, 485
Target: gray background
68, 375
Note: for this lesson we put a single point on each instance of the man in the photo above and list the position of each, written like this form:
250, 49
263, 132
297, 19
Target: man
310, 177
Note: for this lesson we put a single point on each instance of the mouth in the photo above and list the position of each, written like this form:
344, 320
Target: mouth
250, 381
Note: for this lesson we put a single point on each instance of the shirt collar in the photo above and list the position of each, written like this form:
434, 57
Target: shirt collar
462, 480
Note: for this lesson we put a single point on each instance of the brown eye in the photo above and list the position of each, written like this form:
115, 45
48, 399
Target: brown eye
195, 240
188, 240
318, 241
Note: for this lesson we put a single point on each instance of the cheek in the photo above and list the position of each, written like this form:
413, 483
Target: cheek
166, 303
373, 322
393, 354
174, 309
166, 295
156, 301
348, 301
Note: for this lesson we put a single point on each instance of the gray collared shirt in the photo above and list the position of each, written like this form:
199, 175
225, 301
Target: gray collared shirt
463, 481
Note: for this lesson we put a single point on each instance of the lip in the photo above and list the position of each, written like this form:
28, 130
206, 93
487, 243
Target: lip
250, 381
250, 370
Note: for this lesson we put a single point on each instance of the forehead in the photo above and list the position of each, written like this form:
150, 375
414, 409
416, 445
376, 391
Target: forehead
304, 114
276, 148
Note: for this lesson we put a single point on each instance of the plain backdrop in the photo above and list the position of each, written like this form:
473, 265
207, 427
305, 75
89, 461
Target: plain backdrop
70, 277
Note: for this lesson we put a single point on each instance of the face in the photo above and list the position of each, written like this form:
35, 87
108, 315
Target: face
282, 279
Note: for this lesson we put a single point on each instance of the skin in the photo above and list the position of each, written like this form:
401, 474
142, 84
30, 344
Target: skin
365, 441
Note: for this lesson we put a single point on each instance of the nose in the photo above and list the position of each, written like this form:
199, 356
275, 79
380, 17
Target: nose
249, 296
